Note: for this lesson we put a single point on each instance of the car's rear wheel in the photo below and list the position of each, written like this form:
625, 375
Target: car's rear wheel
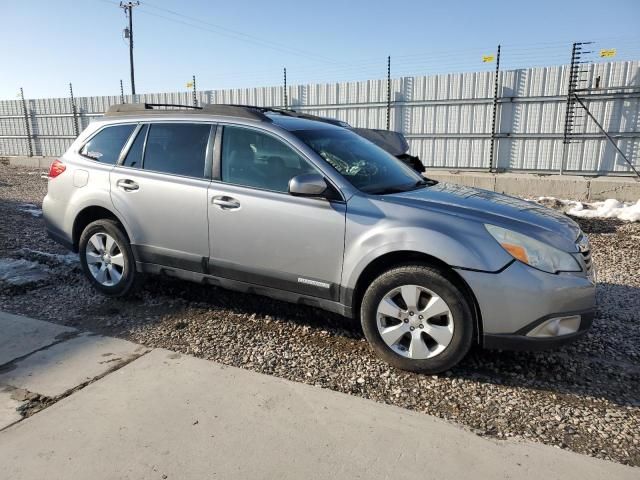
106, 258
417, 319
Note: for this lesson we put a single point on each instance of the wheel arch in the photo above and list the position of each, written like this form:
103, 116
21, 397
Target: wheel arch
394, 259
91, 214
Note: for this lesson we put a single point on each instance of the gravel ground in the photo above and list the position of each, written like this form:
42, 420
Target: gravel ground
584, 397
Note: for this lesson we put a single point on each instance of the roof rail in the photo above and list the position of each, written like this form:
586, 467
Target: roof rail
299, 114
231, 110
242, 111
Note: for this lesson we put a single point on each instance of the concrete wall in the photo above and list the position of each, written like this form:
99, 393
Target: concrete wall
527, 185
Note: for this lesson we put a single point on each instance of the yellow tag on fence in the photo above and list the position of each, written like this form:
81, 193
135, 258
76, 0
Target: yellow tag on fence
189, 84
608, 53
488, 58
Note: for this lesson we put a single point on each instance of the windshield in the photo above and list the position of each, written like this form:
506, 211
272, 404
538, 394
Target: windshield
365, 165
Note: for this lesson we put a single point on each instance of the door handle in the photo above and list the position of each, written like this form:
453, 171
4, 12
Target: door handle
226, 203
127, 185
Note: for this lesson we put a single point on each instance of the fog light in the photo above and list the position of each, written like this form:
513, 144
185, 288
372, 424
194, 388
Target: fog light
555, 327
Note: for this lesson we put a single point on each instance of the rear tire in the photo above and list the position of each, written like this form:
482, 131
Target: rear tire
416, 319
107, 259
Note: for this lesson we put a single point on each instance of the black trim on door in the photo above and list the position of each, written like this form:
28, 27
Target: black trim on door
170, 258
278, 280
216, 153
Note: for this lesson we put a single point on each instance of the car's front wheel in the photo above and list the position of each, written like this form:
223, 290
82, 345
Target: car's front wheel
106, 258
417, 319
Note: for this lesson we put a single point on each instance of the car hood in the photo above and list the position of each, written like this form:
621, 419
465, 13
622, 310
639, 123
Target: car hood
390, 141
528, 218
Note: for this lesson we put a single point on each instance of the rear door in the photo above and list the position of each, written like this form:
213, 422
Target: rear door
261, 234
160, 189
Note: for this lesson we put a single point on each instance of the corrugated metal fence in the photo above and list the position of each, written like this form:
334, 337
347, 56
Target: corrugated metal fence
447, 118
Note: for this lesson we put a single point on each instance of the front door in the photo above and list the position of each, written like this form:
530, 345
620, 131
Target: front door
161, 191
261, 234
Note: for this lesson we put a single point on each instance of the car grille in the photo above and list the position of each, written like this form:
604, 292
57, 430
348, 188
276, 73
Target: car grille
585, 249
587, 260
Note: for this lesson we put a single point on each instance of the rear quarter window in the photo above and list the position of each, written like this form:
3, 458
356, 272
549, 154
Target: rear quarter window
106, 145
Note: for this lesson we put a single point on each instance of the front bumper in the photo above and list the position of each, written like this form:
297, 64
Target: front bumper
520, 340
514, 301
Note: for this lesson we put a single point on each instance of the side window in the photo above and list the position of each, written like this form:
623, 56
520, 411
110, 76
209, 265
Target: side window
105, 147
178, 148
255, 159
134, 155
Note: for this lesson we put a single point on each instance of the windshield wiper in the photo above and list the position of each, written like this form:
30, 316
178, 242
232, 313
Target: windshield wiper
386, 190
426, 182
402, 188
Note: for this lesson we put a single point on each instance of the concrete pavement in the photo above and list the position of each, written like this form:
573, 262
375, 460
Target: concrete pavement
44, 359
165, 415
22, 336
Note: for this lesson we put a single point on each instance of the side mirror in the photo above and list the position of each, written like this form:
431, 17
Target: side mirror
308, 185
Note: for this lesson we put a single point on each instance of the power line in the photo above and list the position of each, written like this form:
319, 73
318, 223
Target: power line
222, 30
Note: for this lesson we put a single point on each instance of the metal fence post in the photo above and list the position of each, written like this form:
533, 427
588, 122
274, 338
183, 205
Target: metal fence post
27, 125
74, 111
493, 162
388, 92
574, 72
121, 92
195, 98
286, 98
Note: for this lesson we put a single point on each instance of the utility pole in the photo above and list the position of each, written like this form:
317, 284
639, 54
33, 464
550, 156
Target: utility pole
128, 11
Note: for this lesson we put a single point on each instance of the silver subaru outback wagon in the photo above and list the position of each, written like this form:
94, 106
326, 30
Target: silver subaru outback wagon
290, 206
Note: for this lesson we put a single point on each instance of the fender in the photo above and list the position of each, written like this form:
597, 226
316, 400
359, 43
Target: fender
100, 199
455, 241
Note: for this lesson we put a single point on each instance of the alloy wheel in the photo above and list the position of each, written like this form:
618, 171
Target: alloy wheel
104, 259
415, 322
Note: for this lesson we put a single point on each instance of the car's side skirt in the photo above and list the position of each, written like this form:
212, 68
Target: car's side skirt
246, 287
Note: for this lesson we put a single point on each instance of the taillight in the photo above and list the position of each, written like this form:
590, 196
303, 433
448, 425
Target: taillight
56, 168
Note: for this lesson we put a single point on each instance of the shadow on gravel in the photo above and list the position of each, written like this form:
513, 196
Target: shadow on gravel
598, 225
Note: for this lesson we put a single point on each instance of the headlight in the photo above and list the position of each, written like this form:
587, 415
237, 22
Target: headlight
534, 253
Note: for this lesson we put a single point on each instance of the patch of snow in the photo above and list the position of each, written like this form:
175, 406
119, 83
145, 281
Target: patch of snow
31, 209
22, 272
67, 259
610, 208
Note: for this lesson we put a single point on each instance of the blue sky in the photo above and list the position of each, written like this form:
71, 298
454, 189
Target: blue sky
44, 45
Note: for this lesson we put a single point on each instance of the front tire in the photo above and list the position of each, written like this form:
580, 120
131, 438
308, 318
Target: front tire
106, 258
417, 319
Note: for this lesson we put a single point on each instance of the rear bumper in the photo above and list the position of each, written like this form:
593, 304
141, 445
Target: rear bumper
60, 238
53, 215
520, 340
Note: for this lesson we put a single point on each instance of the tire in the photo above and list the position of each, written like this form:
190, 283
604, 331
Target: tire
116, 278
432, 339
